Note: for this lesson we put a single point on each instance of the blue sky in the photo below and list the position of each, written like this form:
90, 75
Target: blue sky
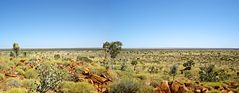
137, 23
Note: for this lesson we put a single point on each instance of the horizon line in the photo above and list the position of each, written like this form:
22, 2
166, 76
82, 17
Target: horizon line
164, 48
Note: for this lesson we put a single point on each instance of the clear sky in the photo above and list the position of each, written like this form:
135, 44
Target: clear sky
137, 23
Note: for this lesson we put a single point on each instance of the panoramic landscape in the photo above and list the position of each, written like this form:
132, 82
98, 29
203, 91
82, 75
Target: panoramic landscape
119, 46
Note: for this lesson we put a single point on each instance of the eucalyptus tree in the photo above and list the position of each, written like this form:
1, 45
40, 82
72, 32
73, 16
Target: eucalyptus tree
106, 46
112, 49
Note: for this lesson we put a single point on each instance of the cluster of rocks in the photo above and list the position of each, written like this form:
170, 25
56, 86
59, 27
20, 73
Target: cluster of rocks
100, 82
177, 87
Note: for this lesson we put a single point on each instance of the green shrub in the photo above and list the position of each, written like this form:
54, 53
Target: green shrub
50, 77
123, 66
173, 70
153, 69
16, 90
20, 71
28, 83
188, 74
189, 63
79, 87
99, 70
31, 74
208, 74
2, 76
84, 59
125, 86
145, 89
12, 82
141, 76
57, 56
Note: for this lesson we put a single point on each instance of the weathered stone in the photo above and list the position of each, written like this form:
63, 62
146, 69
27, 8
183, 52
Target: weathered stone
163, 87
175, 87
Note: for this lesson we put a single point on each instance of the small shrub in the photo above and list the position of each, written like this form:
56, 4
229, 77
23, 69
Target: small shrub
123, 66
57, 56
188, 74
2, 76
20, 71
31, 74
125, 86
208, 74
28, 83
134, 62
84, 59
50, 77
153, 69
16, 90
12, 82
145, 89
79, 87
189, 63
173, 70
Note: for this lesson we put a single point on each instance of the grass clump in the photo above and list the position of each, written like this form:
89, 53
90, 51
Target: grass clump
31, 74
2, 76
125, 86
79, 87
16, 90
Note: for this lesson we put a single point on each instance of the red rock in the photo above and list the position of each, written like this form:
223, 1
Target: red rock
175, 87
183, 89
163, 87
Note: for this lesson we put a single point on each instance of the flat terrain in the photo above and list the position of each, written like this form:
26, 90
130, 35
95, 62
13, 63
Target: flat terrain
148, 67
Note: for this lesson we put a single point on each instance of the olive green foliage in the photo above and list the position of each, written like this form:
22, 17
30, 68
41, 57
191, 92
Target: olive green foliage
57, 56
188, 74
145, 89
125, 86
2, 76
153, 69
31, 74
207, 73
78, 87
20, 71
189, 63
25, 54
16, 49
123, 67
113, 48
50, 77
173, 70
106, 46
134, 62
12, 54
29, 83
210, 74
84, 59
16, 90
12, 82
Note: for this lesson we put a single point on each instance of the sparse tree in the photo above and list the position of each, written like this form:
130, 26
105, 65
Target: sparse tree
173, 70
16, 49
113, 48
106, 46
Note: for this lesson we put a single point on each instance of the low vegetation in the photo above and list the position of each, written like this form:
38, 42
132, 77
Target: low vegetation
116, 70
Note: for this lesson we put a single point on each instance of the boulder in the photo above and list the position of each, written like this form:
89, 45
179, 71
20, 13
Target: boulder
183, 89
97, 79
86, 71
163, 87
175, 87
